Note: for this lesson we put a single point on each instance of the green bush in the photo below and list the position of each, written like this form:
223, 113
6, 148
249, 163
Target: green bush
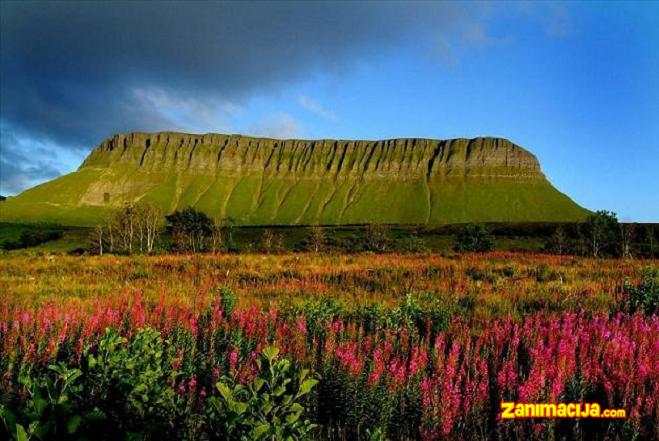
31, 238
474, 238
414, 244
644, 296
544, 273
131, 383
52, 410
228, 300
269, 407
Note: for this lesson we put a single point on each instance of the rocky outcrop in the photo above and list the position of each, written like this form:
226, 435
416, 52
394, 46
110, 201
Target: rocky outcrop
262, 181
395, 158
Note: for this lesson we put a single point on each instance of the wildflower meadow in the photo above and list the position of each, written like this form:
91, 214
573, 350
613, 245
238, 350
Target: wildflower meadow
307, 346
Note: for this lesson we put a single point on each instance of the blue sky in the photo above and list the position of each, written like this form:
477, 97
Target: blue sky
575, 83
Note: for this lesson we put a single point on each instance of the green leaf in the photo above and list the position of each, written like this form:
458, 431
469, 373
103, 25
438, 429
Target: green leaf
306, 386
292, 418
40, 404
95, 414
260, 430
21, 434
237, 407
225, 391
8, 417
270, 352
258, 384
73, 375
267, 408
297, 408
40, 430
73, 424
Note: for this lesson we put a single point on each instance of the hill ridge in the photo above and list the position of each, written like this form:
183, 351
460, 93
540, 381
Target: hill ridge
495, 155
260, 181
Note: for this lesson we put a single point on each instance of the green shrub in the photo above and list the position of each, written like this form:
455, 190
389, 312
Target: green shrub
269, 407
544, 273
644, 296
474, 238
228, 300
478, 275
131, 382
52, 410
415, 244
31, 238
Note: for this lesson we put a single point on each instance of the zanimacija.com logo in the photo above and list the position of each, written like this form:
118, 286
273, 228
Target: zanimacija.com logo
512, 410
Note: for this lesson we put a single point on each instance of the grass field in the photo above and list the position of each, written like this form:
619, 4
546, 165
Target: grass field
257, 201
399, 346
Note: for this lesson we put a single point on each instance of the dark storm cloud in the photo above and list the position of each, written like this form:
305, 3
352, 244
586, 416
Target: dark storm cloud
75, 73
69, 69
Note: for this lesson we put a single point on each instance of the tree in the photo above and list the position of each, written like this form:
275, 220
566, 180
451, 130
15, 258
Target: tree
97, 239
316, 239
626, 239
190, 229
132, 225
558, 241
217, 237
415, 244
153, 220
124, 222
148, 218
108, 226
580, 245
601, 229
650, 240
377, 237
474, 237
279, 244
267, 241
227, 228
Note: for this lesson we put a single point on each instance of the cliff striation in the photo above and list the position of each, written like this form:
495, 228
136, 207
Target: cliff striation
262, 181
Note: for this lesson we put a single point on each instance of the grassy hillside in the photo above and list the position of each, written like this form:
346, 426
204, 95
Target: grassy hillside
260, 182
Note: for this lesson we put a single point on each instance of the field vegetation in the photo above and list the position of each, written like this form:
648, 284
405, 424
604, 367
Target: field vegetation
142, 228
318, 346
186, 327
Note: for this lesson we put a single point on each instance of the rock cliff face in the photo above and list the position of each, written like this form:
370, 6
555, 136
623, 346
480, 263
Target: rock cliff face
213, 154
261, 181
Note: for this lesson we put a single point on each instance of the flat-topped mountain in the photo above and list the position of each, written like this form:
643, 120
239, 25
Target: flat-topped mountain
263, 181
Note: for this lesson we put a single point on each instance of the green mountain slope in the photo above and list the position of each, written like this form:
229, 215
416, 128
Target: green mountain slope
261, 181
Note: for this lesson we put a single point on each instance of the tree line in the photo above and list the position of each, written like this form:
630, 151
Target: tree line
140, 227
602, 235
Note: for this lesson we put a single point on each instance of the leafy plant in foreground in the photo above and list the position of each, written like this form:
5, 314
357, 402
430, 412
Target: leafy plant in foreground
270, 407
644, 296
130, 381
50, 412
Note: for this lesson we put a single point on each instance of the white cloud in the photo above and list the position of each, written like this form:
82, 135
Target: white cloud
491, 25
26, 160
186, 113
315, 107
280, 126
